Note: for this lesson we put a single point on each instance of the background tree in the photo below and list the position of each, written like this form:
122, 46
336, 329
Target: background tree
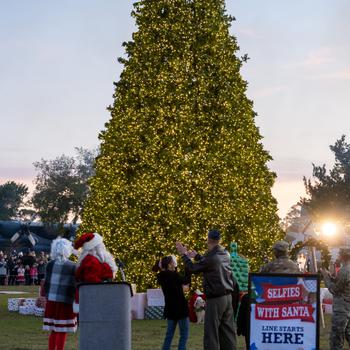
181, 153
329, 192
12, 197
292, 217
297, 219
61, 186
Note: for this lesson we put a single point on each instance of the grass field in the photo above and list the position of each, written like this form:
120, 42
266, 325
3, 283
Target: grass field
19, 332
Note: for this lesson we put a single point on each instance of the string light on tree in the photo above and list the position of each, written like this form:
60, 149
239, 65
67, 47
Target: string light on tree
181, 152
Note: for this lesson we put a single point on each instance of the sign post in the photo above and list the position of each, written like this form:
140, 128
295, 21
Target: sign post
284, 311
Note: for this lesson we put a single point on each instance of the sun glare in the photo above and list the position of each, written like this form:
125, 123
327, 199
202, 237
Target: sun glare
329, 229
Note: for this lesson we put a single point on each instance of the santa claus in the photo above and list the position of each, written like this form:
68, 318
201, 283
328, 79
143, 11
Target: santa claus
95, 263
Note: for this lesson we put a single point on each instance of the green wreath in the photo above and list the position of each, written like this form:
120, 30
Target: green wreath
319, 245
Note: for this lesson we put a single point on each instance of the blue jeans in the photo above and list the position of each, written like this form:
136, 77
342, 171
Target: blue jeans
184, 326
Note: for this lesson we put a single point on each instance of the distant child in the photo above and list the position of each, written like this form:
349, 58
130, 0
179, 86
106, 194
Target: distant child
176, 305
41, 270
60, 288
34, 274
20, 279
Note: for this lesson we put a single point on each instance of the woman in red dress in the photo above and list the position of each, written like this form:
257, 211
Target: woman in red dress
60, 288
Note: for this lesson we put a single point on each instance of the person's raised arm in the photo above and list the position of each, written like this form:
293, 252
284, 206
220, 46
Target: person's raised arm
198, 267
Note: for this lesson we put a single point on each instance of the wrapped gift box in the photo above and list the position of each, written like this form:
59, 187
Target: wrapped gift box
14, 303
39, 311
26, 310
154, 312
155, 297
133, 288
27, 306
138, 304
30, 304
30, 301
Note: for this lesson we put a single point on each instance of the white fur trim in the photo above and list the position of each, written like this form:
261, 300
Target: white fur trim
94, 242
67, 326
60, 329
54, 321
75, 307
100, 252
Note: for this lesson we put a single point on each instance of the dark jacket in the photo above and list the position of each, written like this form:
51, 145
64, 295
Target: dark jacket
11, 267
28, 260
176, 306
217, 273
41, 269
243, 316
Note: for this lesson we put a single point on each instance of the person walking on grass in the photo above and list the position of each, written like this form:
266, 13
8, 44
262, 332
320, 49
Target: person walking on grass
218, 284
339, 286
176, 307
59, 288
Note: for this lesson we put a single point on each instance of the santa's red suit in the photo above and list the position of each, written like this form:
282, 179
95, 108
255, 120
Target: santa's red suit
95, 264
92, 270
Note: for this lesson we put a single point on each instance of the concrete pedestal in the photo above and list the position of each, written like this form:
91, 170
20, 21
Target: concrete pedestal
105, 316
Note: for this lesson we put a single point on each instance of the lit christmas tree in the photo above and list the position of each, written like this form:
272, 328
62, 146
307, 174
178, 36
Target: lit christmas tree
181, 152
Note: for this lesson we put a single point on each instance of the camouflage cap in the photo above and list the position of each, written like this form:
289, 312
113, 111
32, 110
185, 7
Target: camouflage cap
281, 246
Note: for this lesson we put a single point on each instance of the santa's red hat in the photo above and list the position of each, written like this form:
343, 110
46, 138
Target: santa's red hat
88, 241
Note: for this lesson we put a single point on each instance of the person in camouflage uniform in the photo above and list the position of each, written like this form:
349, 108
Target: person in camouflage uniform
339, 286
281, 263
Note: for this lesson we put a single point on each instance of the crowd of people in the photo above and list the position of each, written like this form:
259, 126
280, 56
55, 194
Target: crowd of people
96, 264
18, 268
